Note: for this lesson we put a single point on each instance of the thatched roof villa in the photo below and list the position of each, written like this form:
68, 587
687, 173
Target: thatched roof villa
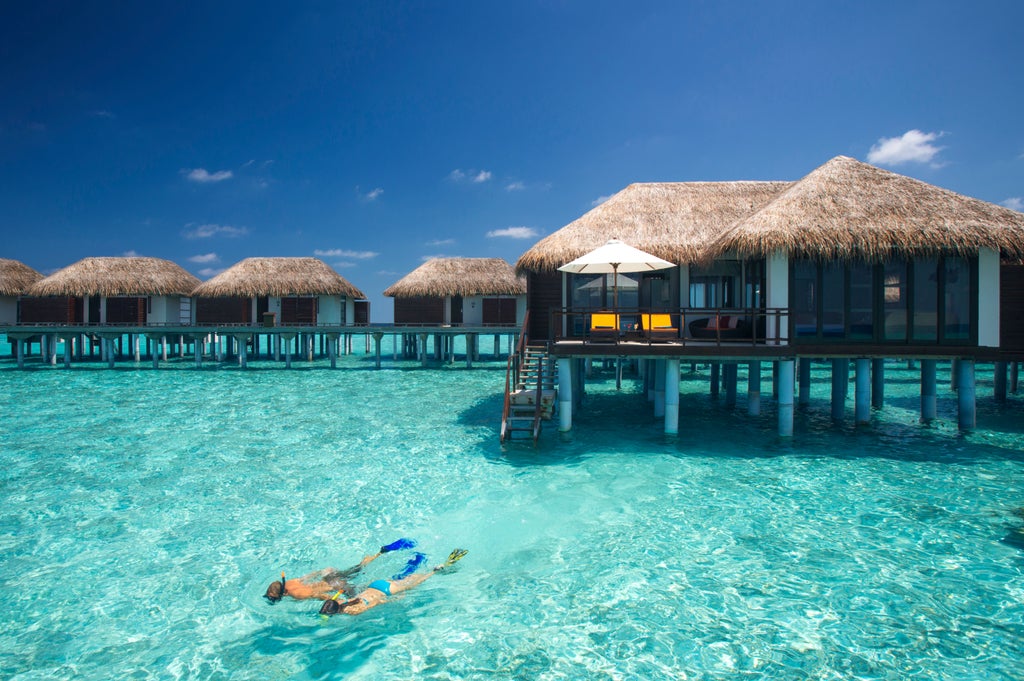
456, 291
845, 233
118, 290
15, 278
851, 261
297, 291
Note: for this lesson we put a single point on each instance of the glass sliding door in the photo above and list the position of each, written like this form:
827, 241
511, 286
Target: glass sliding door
956, 294
894, 301
862, 299
804, 299
926, 299
833, 300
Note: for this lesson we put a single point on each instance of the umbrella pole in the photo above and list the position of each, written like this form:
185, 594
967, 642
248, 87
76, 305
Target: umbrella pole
615, 287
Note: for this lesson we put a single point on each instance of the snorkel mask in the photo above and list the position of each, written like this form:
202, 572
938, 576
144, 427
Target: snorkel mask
332, 606
271, 594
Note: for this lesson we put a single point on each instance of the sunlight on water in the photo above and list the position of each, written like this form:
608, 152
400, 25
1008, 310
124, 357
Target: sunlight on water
146, 511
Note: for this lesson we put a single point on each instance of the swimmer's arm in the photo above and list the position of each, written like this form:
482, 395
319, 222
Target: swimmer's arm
356, 569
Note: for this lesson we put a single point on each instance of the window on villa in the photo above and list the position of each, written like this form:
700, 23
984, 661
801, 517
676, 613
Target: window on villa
862, 302
716, 286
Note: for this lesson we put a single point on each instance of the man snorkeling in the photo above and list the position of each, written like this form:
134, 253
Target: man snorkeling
323, 583
380, 590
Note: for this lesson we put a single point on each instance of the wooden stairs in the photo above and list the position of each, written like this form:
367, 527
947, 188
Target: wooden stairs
531, 394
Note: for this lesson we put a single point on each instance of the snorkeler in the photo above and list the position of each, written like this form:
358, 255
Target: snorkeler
380, 590
323, 583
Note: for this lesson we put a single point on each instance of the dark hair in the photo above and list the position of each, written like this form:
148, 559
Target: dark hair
333, 607
275, 591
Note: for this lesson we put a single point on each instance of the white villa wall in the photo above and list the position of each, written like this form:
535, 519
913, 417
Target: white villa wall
777, 295
8, 310
330, 311
350, 310
164, 310
473, 310
988, 298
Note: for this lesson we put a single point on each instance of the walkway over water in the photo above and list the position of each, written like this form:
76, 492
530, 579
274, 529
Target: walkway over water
80, 342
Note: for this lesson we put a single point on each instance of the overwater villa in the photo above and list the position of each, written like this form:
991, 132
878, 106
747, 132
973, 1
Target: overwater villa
15, 278
136, 292
850, 263
130, 291
458, 292
279, 291
299, 295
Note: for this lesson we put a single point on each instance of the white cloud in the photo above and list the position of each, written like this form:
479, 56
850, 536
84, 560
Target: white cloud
513, 233
515, 187
1015, 203
205, 258
434, 257
913, 147
373, 194
202, 176
210, 272
342, 265
342, 253
440, 242
208, 231
473, 176
130, 254
599, 200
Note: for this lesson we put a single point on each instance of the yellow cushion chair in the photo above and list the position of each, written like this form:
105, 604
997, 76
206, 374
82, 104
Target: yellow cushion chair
659, 326
604, 327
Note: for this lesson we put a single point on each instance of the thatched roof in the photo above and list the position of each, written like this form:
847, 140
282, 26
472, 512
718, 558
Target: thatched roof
672, 220
255, 277
117, 277
442, 277
848, 210
16, 277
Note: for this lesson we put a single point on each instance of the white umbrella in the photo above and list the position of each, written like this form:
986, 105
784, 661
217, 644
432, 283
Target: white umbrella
615, 256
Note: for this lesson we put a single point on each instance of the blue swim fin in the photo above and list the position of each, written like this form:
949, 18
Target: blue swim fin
398, 545
410, 567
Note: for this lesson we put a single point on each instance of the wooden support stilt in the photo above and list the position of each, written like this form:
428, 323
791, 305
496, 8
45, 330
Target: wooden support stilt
730, 371
1013, 377
671, 396
966, 408
862, 393
785, 375
805, 381
999, 381
928, 390
565, 394
716, 369
840, 379
659, 387
754, 388
878, 383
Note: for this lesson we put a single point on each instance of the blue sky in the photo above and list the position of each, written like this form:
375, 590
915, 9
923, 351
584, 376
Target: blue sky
374, 135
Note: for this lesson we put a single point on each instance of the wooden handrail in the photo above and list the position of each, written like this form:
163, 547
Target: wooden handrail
515, 359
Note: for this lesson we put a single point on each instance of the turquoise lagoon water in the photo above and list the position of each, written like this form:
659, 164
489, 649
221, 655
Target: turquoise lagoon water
146, 511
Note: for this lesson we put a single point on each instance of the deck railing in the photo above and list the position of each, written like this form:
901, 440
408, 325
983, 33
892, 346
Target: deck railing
682, 326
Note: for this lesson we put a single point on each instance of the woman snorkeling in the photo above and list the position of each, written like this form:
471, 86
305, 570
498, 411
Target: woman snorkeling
380, 590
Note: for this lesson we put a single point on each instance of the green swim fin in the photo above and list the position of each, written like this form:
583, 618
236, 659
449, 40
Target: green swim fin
453, 557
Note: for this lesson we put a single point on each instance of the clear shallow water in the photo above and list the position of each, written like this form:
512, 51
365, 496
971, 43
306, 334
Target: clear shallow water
146, 511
